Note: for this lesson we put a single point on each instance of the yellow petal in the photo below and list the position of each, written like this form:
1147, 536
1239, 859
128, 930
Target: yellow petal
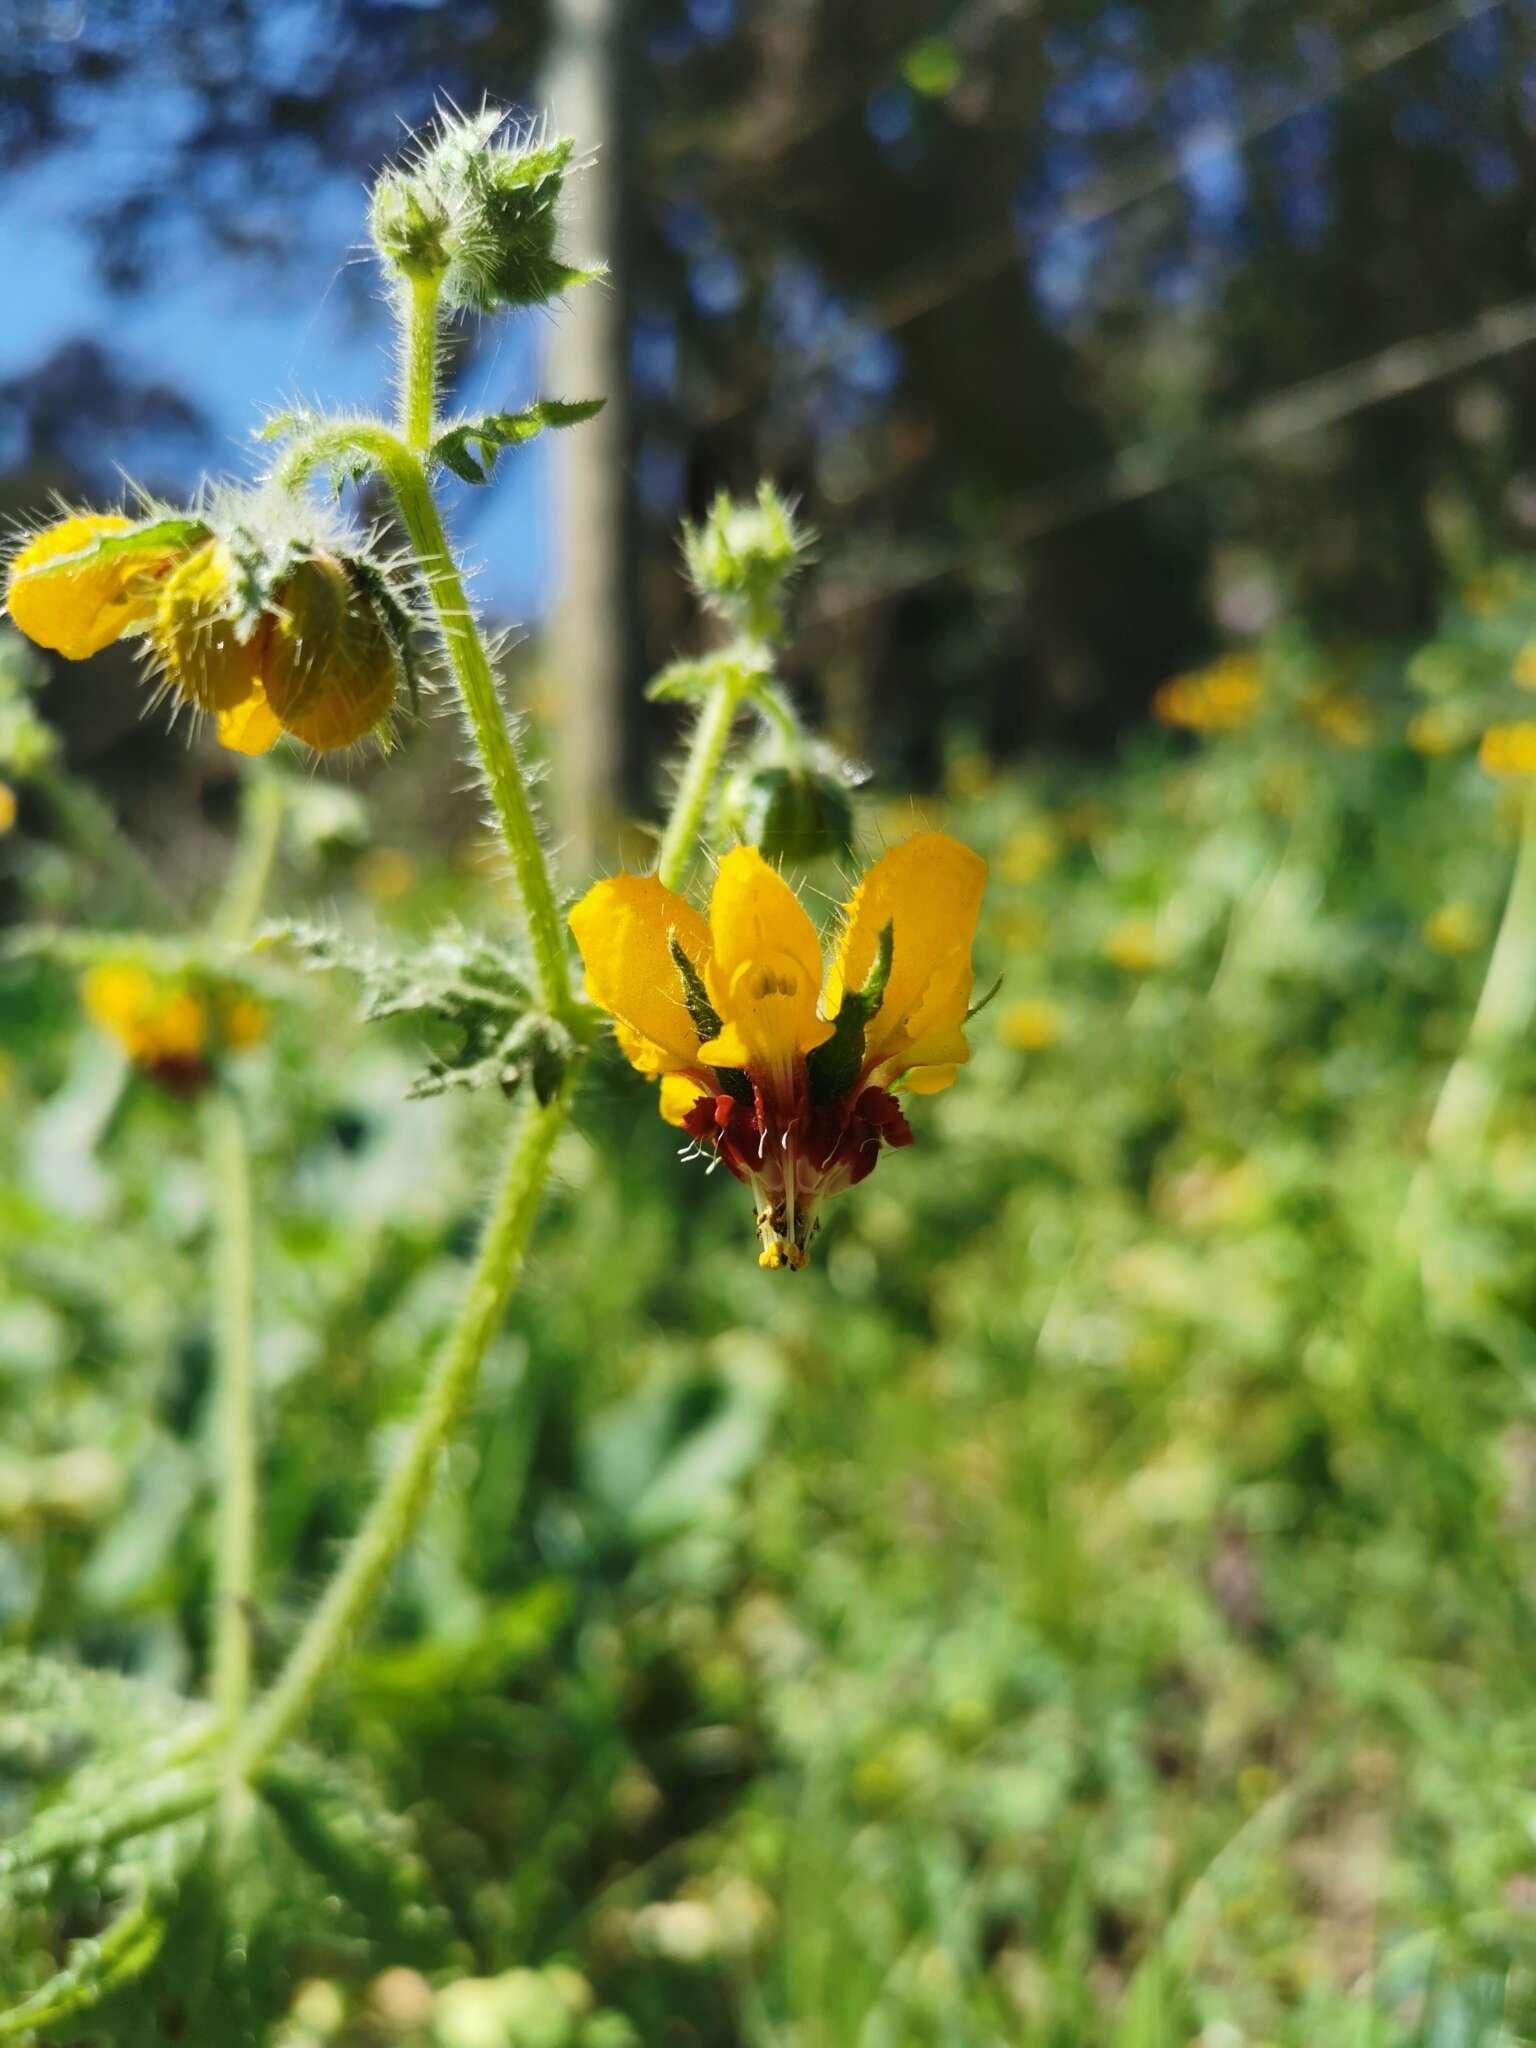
118, 998
249, 728
929, 890
764, 972
679, 1092
929, 1080
623, 928
79, 611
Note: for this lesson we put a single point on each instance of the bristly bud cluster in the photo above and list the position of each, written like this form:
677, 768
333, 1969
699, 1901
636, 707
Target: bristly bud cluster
255, 609
476, 209
741, 558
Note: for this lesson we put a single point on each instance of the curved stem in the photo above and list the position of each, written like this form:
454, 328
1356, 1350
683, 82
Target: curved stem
235, 1433
706, 750
1504, 1009
472, 670
392, 1519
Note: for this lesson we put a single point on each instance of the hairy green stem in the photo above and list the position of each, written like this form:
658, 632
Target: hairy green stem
1504, 1010
392, 1519
706, 751
245, 886
233, 1282
418, 383
471, 666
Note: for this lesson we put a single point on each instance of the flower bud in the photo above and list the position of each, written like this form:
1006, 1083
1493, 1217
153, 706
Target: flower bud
741, 557
197, 633
478, 210
411, 225
330, 668
791, 814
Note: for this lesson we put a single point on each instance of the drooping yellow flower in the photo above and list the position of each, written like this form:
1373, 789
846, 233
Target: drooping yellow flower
171, 1029
80, 609
1508, 751
317, 662
786, 1083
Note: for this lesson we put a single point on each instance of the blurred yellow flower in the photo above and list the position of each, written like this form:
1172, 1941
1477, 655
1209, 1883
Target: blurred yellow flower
969, 775
1031, 1026
1135, 946
168, 1029
1340, 716
1028, 854
1454, 928
1524, 669
1220, 698
7, 808
386, 874
1436, 731
1509, 750
1491, 592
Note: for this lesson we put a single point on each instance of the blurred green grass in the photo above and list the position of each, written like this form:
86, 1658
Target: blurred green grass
1092, 1604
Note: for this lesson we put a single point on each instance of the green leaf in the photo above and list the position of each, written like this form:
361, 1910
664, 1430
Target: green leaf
471, 447
474, 999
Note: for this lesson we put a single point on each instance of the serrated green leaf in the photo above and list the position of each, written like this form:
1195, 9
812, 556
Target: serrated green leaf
470, 447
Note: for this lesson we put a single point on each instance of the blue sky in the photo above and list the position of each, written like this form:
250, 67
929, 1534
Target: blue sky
237, 336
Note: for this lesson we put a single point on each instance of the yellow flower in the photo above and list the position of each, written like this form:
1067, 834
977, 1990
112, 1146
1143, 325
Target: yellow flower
81, 609
1340, 716
1135, 946
1454, 928
1435, 732
1524, 669
1220, 698
1029, 853
1509, 750
792, 1093
1030, 1026
168, 1028
7, 808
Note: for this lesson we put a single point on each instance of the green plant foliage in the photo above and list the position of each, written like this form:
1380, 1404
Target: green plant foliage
470, 447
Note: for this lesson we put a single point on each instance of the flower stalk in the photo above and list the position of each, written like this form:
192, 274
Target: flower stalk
1504, 1010
701, 769
392, 1520
233, 1282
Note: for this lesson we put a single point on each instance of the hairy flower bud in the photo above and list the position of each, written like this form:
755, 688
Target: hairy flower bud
791, 814
197, 633
477, 207
741, 557
412, 226
330, 667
